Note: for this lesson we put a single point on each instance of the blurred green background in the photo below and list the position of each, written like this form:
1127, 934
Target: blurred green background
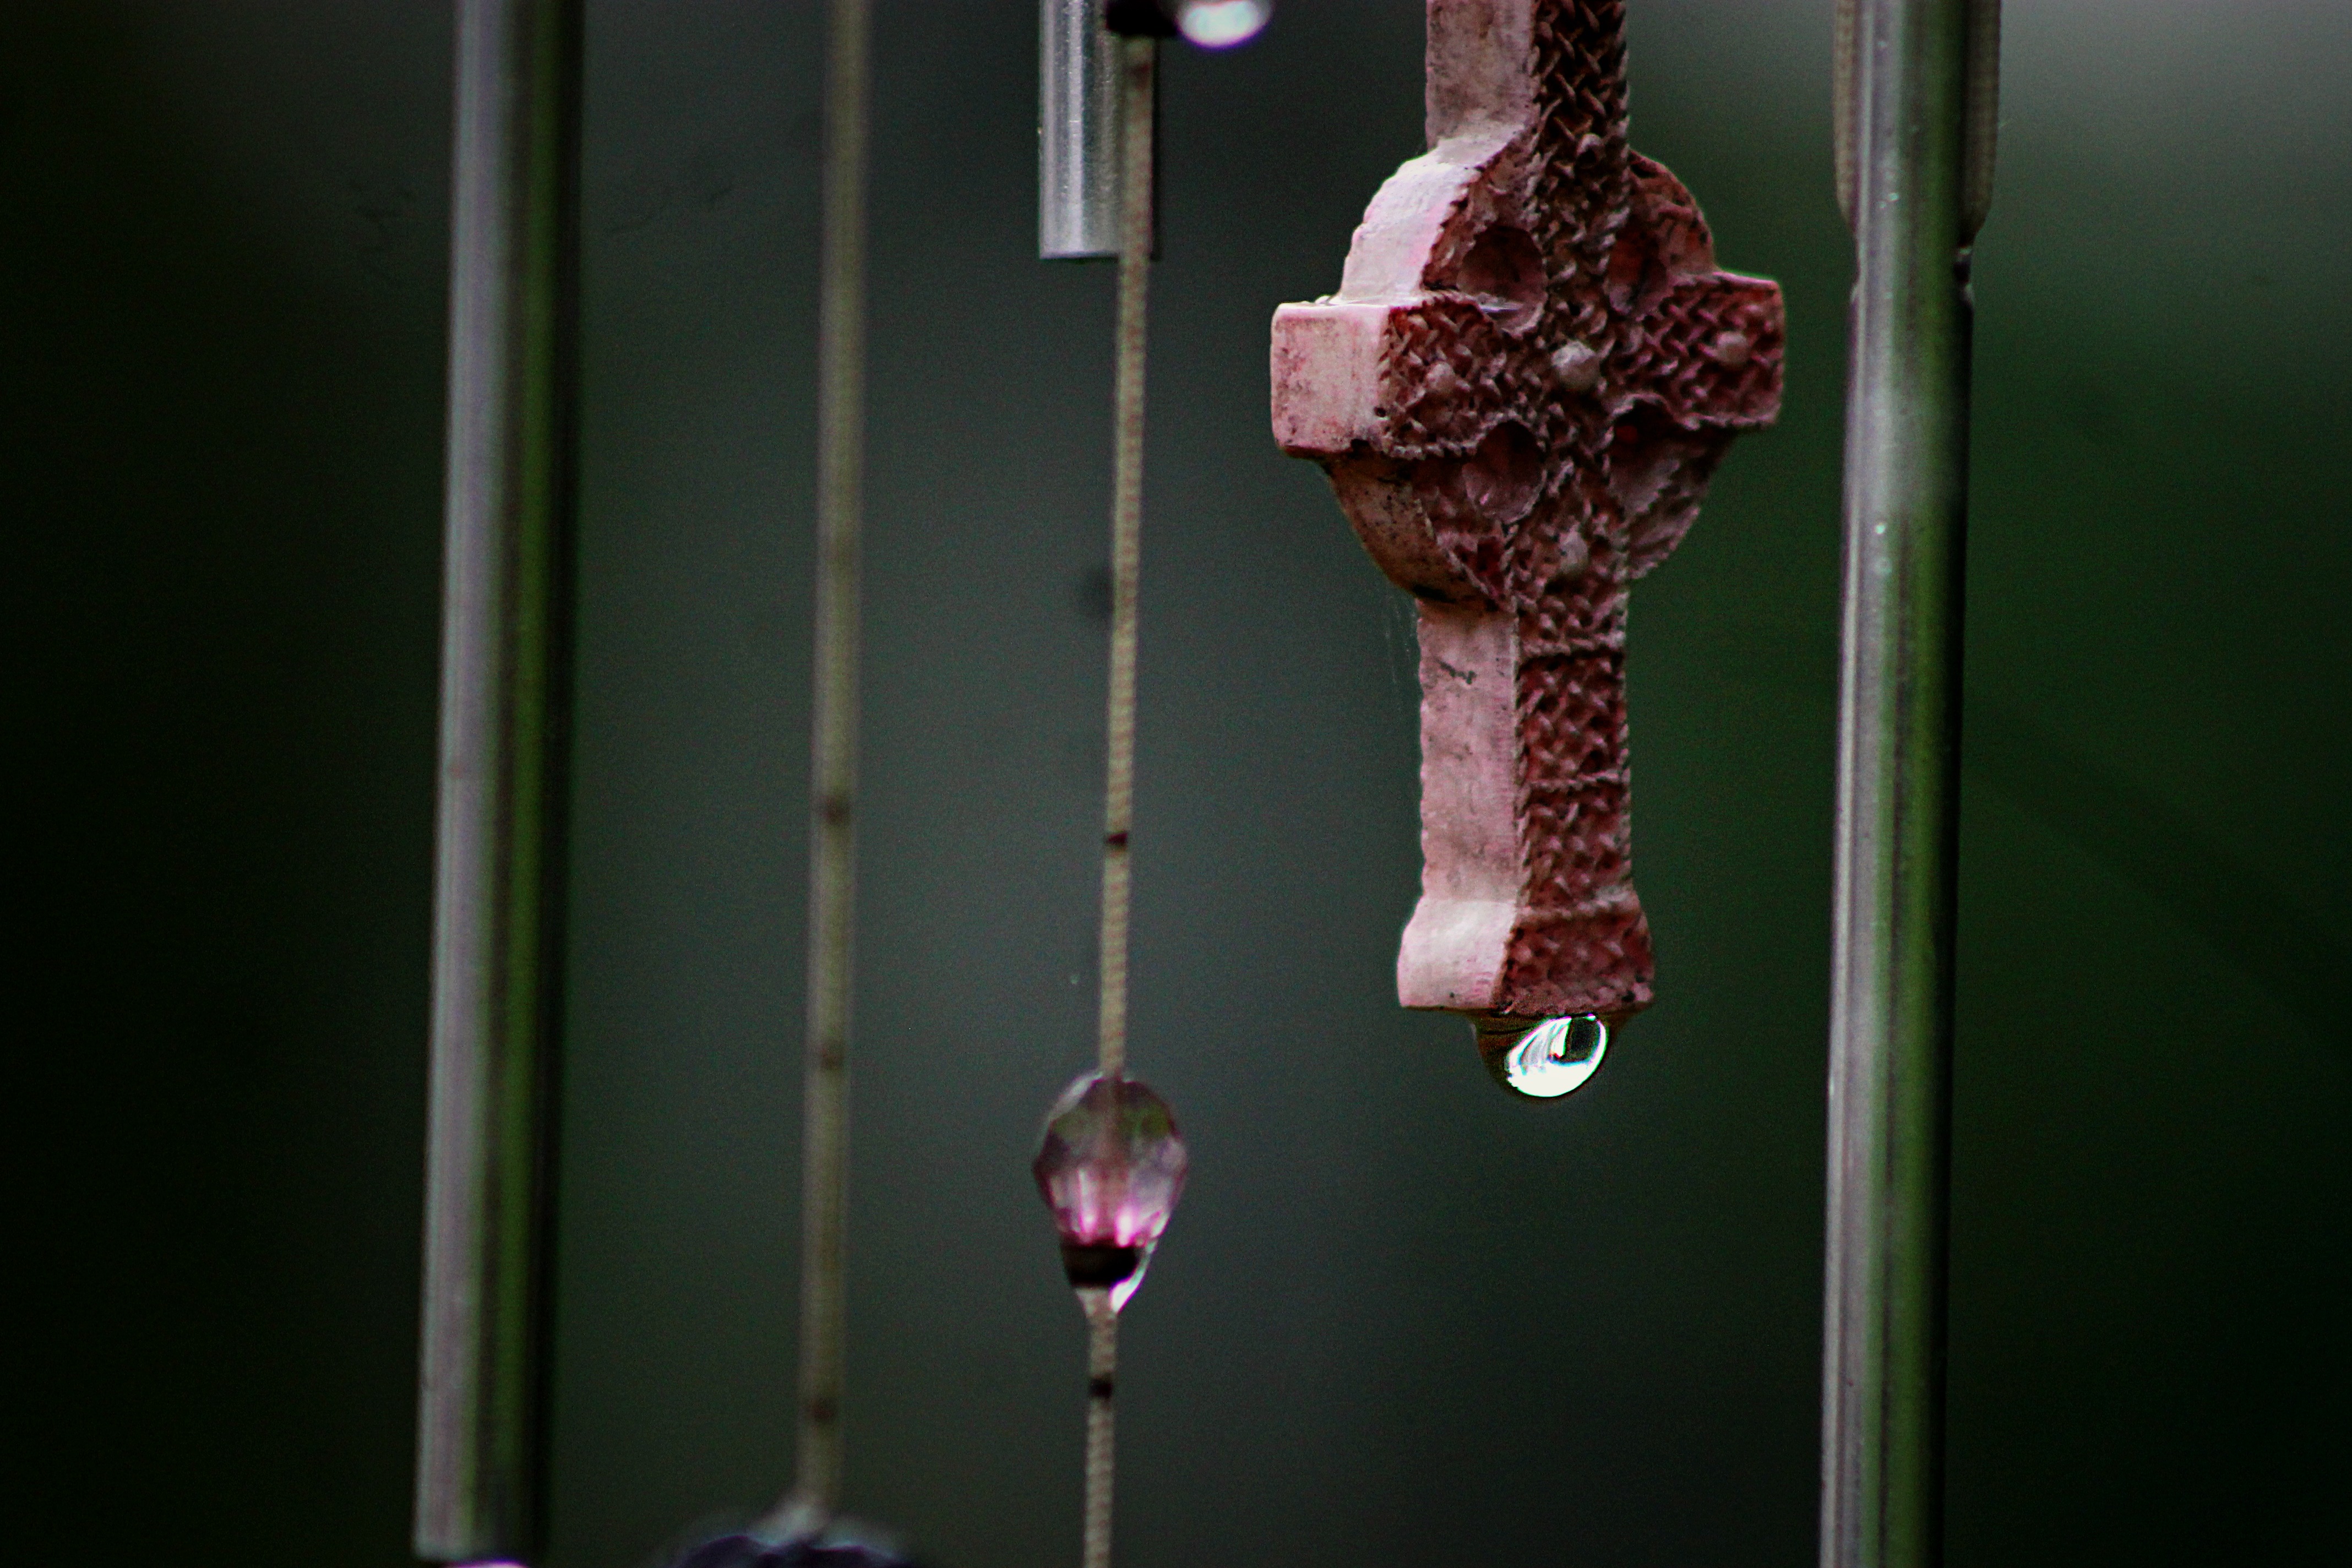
1401, 1319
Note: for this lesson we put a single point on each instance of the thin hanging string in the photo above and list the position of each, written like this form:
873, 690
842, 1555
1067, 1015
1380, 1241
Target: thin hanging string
1102, 1460
840, 473
1138, 60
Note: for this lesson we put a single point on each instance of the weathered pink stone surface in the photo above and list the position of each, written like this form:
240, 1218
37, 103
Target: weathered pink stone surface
1529, 370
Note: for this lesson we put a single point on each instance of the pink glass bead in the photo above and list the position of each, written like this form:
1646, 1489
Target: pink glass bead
1110, 1167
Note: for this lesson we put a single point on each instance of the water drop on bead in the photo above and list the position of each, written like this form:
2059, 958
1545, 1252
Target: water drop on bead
1110, 1167
1543, 1058
1221, 24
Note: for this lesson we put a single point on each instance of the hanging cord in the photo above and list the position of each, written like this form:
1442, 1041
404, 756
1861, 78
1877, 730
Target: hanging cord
1138, 62
1102, 1456
824, 1156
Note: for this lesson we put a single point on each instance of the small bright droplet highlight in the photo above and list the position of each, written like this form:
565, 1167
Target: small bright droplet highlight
1546, 1059
1110, 1167
1221, 24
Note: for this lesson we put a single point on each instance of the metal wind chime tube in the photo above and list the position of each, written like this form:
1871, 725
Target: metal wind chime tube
505, 698
841, 461
1917, 88
1077, 133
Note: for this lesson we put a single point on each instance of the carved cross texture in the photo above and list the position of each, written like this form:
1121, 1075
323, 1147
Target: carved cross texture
1530, 370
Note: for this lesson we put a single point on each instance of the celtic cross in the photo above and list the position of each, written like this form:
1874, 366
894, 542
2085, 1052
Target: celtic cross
1530, 370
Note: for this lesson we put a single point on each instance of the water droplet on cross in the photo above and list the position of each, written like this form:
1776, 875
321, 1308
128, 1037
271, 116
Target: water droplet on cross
1529, 372
1543, 1058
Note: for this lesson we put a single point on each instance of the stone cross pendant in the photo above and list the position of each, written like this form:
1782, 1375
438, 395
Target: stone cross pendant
1530, 370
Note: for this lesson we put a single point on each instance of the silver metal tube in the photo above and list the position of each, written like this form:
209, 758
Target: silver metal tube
505, 684
1913, 177
1077, 133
